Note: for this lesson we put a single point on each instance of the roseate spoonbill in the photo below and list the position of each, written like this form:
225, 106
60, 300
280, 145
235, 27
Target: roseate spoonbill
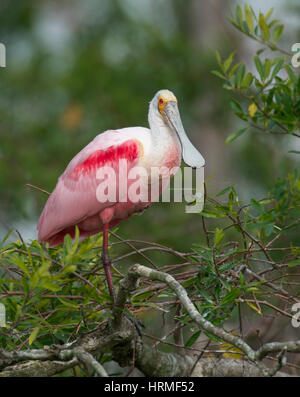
75, 202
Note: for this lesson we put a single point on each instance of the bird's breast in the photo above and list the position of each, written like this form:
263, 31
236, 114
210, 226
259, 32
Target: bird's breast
172, 157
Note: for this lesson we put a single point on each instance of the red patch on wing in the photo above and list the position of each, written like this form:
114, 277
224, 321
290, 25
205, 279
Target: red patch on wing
128, 150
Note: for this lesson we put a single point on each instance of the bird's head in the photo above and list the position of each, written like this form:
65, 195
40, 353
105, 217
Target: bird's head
164, 106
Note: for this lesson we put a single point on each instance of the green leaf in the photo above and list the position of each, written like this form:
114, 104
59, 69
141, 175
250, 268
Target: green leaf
21, 264
277, 68
228, 62
218, 74
239, 15
68, 269
139, 297
240, 75
231, 296
259, 67
269, 13
33, 335
267, 67
234, 68
235, 135
193, 339
277, 32
205, 295
224, 191
247, 81
254, 307
264, 27
249, 18
51, 286
294, 263
256, 205
236, 106
68, 242
291, 73
210, 214
218, 237
5, 238
68, 303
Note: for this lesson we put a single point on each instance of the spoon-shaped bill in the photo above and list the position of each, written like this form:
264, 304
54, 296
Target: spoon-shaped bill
190, 154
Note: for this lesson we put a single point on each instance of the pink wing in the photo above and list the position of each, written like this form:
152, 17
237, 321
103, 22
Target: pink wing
74, 200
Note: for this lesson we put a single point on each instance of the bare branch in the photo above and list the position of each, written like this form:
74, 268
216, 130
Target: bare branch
88, 359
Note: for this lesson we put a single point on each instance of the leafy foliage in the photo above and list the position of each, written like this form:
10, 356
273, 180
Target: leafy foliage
51, 294
250, 257
272, 94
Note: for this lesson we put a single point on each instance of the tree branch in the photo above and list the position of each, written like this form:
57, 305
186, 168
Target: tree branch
89, 360
120, 338
254, 356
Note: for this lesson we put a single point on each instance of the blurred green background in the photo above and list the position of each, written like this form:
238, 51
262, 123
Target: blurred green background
75, 69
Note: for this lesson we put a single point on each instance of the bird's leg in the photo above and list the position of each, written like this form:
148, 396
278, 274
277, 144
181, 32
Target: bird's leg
107, 262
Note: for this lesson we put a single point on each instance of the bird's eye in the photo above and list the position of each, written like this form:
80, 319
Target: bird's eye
161, 105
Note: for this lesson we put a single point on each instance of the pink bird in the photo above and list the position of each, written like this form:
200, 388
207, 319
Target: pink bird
80, 200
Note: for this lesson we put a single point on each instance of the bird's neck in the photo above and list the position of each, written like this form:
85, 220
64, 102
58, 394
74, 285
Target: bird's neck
164, 141
162, 136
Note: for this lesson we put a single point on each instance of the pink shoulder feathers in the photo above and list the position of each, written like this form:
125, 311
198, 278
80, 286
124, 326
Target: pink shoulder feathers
73, 201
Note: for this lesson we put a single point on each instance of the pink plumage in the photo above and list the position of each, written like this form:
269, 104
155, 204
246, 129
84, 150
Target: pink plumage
74, 200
